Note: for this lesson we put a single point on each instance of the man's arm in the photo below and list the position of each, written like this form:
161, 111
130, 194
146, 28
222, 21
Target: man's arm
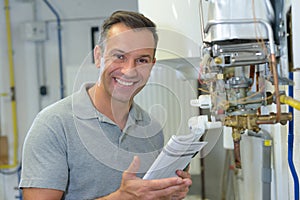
41, 194
133, 187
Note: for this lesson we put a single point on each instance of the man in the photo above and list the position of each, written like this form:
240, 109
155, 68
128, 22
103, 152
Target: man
97, 143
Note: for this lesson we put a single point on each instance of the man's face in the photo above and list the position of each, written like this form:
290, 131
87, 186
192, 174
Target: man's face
128, 57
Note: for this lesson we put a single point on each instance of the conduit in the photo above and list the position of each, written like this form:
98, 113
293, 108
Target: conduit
291, 144
12, 89
59, 48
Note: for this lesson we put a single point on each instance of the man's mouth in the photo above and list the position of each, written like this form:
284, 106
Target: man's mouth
125, 83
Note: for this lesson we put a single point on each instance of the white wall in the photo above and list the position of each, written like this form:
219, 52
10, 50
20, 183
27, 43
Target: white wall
77, 17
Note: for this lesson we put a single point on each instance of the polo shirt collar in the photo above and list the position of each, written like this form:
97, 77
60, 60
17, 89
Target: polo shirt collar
83, 107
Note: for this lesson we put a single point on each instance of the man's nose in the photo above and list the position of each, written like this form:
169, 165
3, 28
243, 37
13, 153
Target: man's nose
129, 67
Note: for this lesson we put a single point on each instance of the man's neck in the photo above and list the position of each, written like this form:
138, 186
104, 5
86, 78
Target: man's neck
115, 110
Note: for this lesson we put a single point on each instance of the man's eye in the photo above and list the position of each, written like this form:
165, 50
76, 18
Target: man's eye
119, 56
142, 61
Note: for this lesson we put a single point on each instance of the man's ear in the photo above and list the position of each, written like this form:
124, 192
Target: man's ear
97, 56
154, 61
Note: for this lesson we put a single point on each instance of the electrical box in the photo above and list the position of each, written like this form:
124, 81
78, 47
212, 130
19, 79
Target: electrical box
34, 31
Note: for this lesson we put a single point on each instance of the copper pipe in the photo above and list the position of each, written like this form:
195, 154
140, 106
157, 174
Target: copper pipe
276, 87
257, 89
252, 74
237, 155
271, 118
266, 121
236, 135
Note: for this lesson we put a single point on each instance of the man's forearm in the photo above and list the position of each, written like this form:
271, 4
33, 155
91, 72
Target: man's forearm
113, 196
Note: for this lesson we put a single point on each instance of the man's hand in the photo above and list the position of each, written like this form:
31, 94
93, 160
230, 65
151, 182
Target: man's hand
133, 187
186, 176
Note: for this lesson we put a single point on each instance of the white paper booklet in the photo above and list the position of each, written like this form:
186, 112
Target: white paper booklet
176, 154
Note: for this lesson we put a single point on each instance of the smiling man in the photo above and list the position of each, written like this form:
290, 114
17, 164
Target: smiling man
97, 143
128, 57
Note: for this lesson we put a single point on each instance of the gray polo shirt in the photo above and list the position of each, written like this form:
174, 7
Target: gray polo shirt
74, 148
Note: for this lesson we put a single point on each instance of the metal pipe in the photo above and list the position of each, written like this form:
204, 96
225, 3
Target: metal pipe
12, 88
276, 87
59, 48
236, 135
271, 118
291, 145
202, 159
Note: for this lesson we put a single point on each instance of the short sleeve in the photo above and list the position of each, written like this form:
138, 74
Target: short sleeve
44, 161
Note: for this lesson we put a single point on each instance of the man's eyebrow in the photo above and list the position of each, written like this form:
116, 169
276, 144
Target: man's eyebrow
117, 50
124, 52
146, 55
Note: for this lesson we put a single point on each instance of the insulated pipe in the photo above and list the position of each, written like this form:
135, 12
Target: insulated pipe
59, 48
12, 88
266, 168
291, 145
266, 165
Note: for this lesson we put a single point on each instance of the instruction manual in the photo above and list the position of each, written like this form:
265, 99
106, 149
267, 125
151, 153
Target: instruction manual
176, 154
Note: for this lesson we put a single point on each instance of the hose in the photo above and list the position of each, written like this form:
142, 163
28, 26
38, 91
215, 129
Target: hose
290, 101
